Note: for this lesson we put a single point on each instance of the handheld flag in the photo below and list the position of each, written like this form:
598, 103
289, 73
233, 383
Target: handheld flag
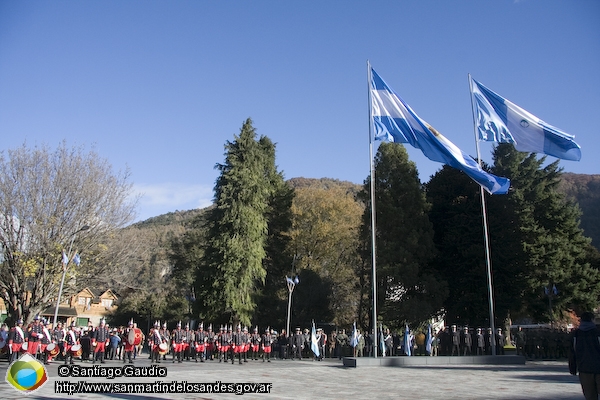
407, 342
395, 121
314, 344
500, 120
354, 340
428, 340
382, 342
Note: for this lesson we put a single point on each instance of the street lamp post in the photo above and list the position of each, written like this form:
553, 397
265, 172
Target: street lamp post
291, 284
65, 264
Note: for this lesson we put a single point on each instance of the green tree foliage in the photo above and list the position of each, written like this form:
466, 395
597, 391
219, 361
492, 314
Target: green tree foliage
232, 265
323, 240
556, 253
407, 288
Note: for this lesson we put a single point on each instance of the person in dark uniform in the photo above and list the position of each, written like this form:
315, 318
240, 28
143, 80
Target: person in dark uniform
99, 341
584, 356
520, 341
155, 340
246, 340
71, 339
388, 340
455, 341
201, 343
210, 343
58, 334
164, 332
297, 344
466, 342
34, 335
255, 340
480, 338
177, 341
16, 338
237, 345
500, 341
85, 340
45, 340
266, 345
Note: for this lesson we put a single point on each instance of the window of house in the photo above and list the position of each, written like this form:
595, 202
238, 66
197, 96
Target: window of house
107, 303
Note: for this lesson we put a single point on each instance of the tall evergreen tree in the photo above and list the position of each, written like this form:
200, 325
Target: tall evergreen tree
407, 289
556, 253
232, 265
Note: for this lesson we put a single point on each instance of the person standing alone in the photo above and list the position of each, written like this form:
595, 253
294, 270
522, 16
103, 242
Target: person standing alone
585, 356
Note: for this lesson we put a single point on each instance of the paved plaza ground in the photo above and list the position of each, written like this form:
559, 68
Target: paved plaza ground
329, 379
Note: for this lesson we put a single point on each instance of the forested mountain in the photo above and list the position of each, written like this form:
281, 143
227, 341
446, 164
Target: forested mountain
585, 191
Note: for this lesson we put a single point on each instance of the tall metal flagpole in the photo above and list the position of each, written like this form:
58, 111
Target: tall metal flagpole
372, 164
488, 260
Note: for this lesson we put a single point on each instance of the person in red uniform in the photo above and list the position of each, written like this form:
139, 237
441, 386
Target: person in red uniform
34, 336
16, 338
71, 339
128, 347
99, 340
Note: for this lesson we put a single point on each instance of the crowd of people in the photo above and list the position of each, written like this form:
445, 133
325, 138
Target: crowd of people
229, 344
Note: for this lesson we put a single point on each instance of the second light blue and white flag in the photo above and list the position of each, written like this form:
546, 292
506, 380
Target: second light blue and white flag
500, 120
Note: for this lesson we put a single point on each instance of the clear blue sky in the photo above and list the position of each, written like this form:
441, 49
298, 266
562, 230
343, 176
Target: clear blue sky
160, 86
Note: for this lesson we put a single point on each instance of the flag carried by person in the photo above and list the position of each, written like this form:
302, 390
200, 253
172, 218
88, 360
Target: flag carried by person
500, 120
314, 343
407, 342
395, 121
382, 342
428, 340
354, 340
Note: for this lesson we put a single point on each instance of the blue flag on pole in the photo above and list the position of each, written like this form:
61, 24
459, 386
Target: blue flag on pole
395, 121
500, 120
382, 342
314, 344
428, 340
76, 259
354, 340
65, 259
407, 342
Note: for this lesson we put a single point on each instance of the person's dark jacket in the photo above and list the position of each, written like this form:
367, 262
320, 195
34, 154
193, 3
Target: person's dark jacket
586, 342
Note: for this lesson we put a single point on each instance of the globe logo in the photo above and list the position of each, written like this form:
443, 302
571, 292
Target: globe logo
26, 374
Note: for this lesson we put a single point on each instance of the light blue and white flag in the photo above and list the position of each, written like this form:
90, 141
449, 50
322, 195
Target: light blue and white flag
65, 259
500, 120
76, 259
354, 340
395, 121
314, 343
428, 340
407, 342
382, 342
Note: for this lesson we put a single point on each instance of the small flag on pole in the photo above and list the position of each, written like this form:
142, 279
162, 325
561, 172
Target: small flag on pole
500, 120
407, 342
354, 340
395, 121
76, 259
428, 340
314, 344
65, 259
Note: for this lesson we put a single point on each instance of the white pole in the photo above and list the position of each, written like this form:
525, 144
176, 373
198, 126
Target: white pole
373, 258
488, 260
290, 290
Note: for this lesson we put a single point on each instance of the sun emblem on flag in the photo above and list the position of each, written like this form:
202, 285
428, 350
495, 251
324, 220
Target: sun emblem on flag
524, 123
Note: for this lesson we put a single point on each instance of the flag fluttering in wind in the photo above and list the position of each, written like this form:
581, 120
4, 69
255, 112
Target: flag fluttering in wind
395, 121
382, 342
76, 259
407, 342
314, 344
500, 120
65, 259
428, 340
354, 340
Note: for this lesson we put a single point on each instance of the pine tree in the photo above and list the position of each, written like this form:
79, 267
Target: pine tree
232, 265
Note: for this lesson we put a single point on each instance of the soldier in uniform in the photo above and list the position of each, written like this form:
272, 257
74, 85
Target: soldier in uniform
297, 344
34, 335
188, 341
500, 341
201, 342
266, 345
210, 343
164, 332
255, 340
154, 340
71, 339
58, 335
45, 340
306, 343
177, 341
322, 343
466, 342
221, 343
237, 345
520, 341
16, 338
128, 348
480, 337
455, 341
99, 340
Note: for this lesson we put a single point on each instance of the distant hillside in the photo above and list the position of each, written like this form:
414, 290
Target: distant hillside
324, 183
584, 190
